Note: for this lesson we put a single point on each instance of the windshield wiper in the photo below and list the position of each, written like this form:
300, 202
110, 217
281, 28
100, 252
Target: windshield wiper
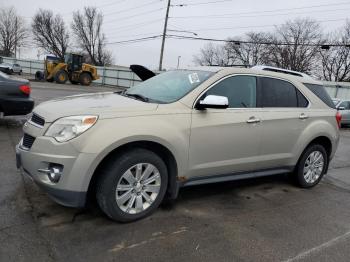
137, 96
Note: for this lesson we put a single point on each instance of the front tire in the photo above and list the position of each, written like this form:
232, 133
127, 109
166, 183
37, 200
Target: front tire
85, 79
312, 166
132, 186
61, 77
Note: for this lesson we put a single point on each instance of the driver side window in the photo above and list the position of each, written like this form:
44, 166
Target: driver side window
240, 91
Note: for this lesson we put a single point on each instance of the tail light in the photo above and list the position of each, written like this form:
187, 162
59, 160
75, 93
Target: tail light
338, 118
25, 89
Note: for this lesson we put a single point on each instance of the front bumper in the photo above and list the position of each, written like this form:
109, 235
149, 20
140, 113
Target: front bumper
71, 189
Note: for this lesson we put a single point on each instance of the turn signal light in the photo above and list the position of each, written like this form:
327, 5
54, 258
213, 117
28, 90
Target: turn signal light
25, 89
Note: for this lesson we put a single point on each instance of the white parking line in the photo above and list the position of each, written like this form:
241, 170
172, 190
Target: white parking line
319, 248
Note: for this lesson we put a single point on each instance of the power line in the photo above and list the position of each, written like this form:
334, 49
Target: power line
134, 35
202, 3
263, 15
112, 3
117, 12
132, 8
268, 11
254, 26
135, 40
238, 42
145, 23
132, 16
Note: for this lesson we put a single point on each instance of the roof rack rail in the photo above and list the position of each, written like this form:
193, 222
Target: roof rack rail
281, 70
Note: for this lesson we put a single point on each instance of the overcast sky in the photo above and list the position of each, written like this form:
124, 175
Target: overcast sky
130, 19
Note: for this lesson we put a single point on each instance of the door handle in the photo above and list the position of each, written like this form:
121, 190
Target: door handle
303, 116
253, 120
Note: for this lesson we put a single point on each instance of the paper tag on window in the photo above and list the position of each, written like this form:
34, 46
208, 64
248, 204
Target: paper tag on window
193, 78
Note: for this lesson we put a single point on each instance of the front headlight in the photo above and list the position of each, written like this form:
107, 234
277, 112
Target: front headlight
67, 128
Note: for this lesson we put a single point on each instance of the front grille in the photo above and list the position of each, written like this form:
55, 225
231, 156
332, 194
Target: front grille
28, 141
37, 120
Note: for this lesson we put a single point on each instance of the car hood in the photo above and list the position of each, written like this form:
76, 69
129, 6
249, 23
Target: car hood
105, 105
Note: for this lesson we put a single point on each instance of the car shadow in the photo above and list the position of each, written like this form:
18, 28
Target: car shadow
230, 189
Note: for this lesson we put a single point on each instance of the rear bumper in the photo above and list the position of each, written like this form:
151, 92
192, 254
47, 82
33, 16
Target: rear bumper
16, 106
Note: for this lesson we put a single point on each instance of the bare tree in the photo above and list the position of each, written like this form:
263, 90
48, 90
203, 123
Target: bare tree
13, 32
249, 51
336, 59
214, 55
296, 45
50, 33
87, 27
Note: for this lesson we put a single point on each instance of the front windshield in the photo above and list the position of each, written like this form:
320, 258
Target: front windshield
170, 86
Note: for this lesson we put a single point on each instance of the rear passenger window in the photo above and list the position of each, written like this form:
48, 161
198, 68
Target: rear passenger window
321, 93
278, 93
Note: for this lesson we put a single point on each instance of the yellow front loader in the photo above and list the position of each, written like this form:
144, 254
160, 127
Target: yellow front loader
72, 69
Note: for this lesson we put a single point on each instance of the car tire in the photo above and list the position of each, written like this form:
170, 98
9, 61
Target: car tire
123, 195
61, 77
311, 166
10, 71
85, 79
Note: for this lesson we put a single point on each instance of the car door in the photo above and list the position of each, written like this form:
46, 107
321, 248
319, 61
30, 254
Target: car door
225, 141
284, 116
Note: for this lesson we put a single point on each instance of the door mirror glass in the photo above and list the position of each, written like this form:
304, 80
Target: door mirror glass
341, 108
212, 101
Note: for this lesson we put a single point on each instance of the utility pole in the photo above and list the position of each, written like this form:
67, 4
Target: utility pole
164, 35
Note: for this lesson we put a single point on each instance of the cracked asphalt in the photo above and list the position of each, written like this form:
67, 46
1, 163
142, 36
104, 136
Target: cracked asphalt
266, 219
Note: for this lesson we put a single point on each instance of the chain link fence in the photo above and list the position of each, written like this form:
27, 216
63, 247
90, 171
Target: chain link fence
117, 76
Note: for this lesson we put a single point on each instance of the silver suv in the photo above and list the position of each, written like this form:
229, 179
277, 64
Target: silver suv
131, 149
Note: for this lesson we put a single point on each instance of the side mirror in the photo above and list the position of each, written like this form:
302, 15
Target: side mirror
212, 101
341, 108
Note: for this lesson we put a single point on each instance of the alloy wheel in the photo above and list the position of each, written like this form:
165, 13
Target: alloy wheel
313, 167
138, 188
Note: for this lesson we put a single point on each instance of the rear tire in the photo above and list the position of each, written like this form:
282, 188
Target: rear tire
61, 77
132, 186
311, 166
85, 79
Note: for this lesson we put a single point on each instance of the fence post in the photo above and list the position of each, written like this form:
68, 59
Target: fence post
117, 77
104, 75
336, 91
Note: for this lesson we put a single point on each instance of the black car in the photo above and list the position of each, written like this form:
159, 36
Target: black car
15, 96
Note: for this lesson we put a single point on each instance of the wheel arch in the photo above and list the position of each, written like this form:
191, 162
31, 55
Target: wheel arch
162, 151
323, 140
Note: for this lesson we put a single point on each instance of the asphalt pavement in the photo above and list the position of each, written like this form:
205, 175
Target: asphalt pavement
266, 219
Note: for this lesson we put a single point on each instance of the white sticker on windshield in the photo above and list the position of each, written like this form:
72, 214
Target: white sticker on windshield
194, 78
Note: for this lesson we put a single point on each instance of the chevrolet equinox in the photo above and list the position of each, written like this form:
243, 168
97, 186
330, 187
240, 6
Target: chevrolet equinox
131, 149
